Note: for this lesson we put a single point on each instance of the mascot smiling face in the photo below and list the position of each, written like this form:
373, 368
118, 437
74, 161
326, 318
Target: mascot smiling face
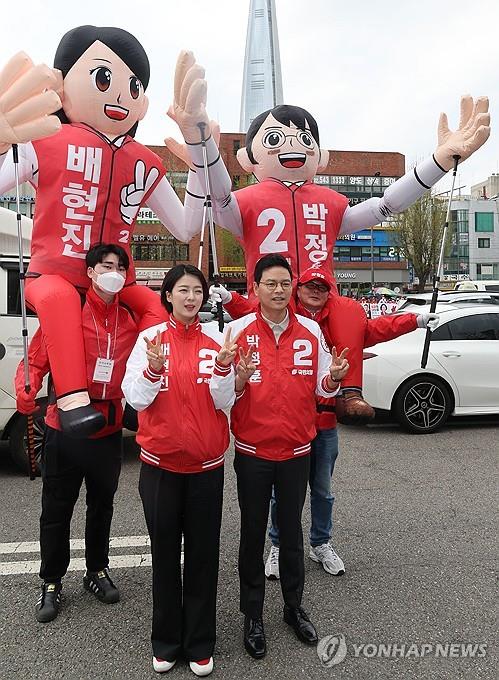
283, 144
106, 72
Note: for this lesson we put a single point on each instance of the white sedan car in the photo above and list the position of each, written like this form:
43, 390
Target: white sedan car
461, 377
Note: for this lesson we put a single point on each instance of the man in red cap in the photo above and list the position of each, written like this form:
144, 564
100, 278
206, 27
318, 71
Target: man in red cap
314, 299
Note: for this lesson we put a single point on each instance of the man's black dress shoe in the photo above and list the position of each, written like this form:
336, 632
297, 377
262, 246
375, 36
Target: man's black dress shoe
301, 624
254, 637
81, 422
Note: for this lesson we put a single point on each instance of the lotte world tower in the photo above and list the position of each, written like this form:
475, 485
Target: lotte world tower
262, 80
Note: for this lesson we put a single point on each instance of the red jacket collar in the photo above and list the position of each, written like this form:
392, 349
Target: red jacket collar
265, 325
181, 329
98, 304
320, 316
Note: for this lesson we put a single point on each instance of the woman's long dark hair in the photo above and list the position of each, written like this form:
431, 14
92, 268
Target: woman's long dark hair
174, 275
126, 46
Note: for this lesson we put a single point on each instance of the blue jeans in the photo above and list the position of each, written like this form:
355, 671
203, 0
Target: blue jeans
322, 460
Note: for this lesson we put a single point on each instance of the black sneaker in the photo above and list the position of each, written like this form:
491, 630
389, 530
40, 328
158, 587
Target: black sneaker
49, 602
99, 583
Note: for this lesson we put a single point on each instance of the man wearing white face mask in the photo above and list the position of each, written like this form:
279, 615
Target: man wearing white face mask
109, 334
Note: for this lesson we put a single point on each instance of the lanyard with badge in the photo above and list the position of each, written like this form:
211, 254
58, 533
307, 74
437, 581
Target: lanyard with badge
103, 370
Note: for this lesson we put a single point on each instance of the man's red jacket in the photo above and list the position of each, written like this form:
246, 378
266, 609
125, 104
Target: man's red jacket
340, 311
109, 331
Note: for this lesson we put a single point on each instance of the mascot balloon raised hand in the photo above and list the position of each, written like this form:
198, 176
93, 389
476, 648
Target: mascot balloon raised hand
286, 213
75, 127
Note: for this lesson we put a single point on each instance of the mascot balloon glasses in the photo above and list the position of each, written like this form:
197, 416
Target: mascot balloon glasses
91, 177
286, 213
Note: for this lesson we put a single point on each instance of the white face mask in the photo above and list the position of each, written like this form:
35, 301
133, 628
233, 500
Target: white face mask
111, 282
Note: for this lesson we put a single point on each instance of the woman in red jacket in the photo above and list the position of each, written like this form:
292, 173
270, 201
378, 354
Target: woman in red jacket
183, 435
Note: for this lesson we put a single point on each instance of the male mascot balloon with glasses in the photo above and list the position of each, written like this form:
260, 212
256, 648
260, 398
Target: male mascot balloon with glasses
286, 212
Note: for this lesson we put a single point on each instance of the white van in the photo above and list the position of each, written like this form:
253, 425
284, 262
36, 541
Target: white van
487, 286
12, 423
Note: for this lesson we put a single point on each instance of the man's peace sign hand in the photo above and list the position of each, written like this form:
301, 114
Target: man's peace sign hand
339, 365
155, 354
245, 366
228, 349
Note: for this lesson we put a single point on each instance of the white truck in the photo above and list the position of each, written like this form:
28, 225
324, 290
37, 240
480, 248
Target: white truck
12, 424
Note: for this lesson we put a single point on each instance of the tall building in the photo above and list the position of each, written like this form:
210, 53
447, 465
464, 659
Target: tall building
262, 80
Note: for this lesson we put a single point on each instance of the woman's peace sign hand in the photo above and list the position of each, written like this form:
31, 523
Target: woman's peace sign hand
155, 354
228, 349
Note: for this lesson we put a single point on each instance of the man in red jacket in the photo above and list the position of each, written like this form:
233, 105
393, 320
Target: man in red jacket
284, 365
109, 334
314, 299
313, 292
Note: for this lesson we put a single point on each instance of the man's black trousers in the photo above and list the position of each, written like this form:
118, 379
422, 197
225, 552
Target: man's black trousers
184, 615
65, 463
255, 478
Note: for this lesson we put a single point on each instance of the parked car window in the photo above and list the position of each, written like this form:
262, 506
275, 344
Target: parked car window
441, 333
14, 294
475, 327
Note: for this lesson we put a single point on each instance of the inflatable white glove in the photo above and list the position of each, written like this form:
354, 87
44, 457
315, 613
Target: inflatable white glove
473, 131
189, 100
220, 294
28, 97
428, 320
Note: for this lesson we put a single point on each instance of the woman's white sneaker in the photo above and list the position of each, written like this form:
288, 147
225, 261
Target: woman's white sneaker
202, 669
161, 665
327, 556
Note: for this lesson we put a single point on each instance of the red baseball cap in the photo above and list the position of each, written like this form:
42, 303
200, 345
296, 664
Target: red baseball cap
318, 274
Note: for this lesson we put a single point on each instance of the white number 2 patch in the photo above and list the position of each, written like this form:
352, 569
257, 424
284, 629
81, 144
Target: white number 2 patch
304, 350
207, 362
270, 244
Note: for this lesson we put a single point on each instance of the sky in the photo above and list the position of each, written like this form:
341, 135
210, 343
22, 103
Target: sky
375, 75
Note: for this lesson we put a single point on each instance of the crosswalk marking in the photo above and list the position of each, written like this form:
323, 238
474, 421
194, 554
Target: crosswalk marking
75, 544
77, 564
141, 559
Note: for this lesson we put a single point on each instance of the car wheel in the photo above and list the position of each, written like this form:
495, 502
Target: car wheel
18, 440
422, 404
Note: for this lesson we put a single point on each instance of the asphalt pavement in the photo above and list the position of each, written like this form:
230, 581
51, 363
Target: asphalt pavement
415, 523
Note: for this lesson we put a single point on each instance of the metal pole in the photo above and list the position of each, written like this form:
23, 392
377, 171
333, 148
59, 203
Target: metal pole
211, 223
436, 277
376, 174
27, 385
201, 237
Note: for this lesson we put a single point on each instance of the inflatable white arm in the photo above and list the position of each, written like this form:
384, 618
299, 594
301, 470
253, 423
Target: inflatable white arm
28, 167
225, 209
472, 133
397, 198
183, 221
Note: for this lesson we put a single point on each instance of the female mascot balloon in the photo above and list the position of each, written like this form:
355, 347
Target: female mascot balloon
287, 213
91, 177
